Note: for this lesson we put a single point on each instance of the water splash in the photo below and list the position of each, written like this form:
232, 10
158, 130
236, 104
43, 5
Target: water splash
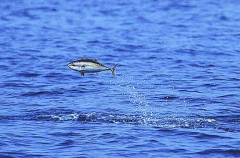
163, 122
150, 103
134, 93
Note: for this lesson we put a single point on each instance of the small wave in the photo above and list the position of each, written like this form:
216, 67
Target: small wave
15, 84
28, 74
35, 93
39, 93
228, 152
162, 122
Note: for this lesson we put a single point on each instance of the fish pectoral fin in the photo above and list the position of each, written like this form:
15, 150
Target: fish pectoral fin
82, 73
97, 73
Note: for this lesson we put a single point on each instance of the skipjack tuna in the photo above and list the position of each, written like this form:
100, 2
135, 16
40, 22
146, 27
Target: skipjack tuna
90, 66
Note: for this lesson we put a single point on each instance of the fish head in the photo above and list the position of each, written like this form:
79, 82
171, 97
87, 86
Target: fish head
71, 65
76, 66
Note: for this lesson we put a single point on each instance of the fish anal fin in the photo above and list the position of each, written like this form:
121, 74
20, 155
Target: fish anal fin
97, 73
82, 73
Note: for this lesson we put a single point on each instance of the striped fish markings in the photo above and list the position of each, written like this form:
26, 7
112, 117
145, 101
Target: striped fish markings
86, 65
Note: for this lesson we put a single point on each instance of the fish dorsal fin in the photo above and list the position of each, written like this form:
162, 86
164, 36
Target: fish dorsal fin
84, 57
96, 60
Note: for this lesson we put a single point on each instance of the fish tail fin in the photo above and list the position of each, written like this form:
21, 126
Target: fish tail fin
113, 70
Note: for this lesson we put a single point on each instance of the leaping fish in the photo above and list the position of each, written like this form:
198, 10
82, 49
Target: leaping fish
86, 65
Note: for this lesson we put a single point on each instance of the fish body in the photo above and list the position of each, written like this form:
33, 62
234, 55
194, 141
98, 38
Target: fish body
90, 66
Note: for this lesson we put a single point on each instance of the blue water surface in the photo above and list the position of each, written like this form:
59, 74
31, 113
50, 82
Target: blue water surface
176, 91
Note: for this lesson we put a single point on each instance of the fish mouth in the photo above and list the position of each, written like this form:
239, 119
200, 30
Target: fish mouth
70, 64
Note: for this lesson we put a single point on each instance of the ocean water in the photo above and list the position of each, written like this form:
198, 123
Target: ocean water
176, 91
